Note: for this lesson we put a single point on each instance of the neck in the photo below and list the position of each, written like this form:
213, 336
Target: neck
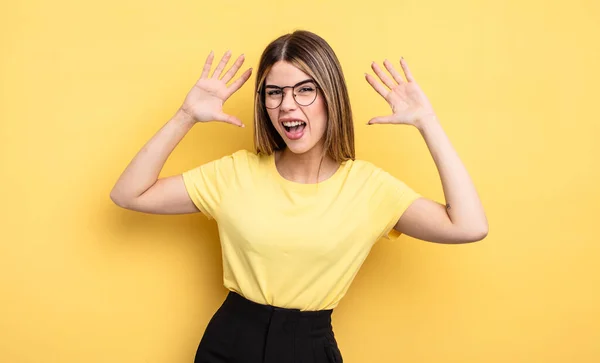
308, 168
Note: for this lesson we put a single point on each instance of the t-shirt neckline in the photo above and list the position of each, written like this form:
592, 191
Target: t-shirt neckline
297, 185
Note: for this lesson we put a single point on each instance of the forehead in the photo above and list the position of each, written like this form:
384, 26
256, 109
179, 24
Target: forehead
285, 74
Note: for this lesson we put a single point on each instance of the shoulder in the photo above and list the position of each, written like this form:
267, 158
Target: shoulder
238, 157
364, 168
371, 174
248, 158
243, 162
227, 163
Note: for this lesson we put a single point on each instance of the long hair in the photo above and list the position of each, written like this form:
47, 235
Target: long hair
313, 55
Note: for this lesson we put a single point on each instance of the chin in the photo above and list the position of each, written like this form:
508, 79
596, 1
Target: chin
302, 145
300, 148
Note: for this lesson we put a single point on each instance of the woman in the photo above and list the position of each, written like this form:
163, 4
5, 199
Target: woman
298, 217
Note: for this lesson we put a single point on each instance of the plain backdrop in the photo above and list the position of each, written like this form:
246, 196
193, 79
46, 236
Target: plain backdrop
83, 85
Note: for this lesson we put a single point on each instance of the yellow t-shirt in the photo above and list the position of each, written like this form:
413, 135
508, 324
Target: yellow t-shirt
290, 244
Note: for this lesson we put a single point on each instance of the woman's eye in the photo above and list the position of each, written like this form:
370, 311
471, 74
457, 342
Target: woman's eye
306, 89
274, 92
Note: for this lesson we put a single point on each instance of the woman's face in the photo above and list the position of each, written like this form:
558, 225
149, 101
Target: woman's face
301, 127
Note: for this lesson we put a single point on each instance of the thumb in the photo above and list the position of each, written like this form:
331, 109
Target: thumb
223, 117
381, 120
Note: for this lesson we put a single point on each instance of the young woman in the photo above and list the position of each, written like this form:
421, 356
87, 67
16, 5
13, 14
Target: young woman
298, 216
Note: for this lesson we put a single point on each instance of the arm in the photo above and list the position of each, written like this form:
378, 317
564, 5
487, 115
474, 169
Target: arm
138, 188
462, 219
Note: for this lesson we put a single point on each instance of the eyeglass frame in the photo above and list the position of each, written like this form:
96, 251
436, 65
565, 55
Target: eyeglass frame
261, 91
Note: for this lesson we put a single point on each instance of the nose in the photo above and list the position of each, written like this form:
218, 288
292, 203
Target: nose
288, 102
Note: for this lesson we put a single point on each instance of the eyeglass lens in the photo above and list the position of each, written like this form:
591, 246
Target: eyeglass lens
304, 94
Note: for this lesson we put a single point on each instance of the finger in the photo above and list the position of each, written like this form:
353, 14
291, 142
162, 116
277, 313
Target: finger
381, 120
233, 70
376, 85
239, 82
381, 74
407, 73
223, 117
207, 64
397, 77
221, 65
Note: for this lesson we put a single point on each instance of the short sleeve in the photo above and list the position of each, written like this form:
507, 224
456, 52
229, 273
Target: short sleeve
390, 200
207, 183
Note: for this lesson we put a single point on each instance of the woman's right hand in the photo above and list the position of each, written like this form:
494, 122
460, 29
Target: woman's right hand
205, 100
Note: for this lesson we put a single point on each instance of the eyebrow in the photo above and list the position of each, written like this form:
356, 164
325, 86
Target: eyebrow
297, 84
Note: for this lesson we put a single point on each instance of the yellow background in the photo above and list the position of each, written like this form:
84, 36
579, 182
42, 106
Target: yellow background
84, 85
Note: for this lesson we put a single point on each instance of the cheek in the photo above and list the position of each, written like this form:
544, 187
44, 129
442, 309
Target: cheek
319, 114
273, 116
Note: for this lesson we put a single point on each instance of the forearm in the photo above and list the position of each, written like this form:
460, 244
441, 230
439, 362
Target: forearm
463, 205
144, 169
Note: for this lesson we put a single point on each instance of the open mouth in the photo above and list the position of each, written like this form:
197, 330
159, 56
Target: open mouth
294, 126
294, 129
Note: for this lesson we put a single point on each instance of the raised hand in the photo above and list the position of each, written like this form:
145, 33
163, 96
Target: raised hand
408, 102
204, 102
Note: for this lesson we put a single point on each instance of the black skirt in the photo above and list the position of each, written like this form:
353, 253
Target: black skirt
242, 331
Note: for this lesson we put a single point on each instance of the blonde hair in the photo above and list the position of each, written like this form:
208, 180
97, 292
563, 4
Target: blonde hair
313, 55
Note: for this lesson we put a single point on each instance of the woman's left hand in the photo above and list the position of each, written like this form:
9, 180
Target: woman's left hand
409, 104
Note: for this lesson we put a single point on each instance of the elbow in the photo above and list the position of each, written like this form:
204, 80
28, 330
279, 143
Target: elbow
115, 198
485, 228
481, 234
118, 199
478, 230
469, 234
477, 234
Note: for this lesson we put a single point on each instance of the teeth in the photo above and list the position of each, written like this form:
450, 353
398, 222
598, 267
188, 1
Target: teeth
292, 123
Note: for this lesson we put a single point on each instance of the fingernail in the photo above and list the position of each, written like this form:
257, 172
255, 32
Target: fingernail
243, 125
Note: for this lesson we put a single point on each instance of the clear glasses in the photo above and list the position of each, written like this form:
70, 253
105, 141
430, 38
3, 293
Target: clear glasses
305, 93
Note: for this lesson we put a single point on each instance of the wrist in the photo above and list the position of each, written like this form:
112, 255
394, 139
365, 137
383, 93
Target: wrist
426, 121
183, 118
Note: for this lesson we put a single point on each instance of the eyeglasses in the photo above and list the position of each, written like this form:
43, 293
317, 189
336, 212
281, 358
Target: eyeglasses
305, 93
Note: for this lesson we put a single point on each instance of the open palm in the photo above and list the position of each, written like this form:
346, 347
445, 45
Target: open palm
408, 102
204, 102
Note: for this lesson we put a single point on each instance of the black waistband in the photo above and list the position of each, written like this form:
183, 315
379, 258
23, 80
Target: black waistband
239, 304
